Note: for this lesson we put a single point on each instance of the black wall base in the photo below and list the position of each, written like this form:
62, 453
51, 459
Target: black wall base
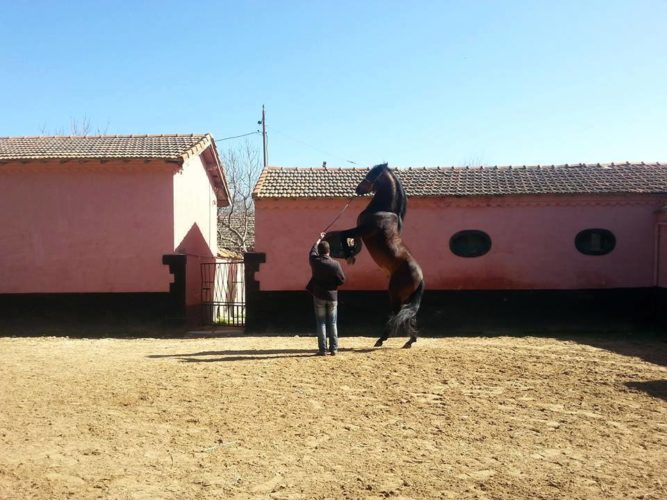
83, 314
472, 312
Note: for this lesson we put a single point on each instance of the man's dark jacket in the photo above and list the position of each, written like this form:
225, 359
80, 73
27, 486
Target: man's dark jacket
327, 276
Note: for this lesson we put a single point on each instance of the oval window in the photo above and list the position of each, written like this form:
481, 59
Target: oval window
470, 243
595, 241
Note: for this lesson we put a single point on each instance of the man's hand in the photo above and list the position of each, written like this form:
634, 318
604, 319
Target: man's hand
322, 235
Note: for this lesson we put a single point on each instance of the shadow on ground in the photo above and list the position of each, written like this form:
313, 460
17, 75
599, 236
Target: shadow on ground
92, 329
655, 388
648, 343
648, 346
248, 354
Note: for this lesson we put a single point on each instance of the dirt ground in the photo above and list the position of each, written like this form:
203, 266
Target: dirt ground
495, 417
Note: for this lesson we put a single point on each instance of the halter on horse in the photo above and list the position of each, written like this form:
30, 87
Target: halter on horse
379, 226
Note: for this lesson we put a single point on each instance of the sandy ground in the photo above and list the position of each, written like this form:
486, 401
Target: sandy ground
498, 417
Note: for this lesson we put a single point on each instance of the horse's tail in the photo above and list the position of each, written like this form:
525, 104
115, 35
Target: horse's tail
404, 322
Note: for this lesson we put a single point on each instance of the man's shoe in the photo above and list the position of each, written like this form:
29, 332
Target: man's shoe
333, 353
322, 353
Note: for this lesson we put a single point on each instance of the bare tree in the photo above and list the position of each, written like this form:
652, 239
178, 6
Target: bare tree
474, 160
77, 126
236, 223
80, 127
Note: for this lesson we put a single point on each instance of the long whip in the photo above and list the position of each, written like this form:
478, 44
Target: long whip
340, 213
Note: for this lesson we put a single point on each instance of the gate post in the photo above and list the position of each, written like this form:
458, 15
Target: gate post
252, 262
176, 263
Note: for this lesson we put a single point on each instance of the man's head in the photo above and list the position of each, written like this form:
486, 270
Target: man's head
323, 248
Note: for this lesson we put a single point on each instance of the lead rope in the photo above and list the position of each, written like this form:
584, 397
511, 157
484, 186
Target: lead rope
340, 213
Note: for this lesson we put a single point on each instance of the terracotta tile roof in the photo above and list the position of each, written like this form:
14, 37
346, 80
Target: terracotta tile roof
176, 147
278, 182
169, 147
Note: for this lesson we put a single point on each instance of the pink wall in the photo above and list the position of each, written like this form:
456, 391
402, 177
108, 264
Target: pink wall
195, 210
85, 227
661, 249
195, 225
532, 242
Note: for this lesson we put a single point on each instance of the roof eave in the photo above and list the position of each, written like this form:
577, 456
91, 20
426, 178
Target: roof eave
213, 167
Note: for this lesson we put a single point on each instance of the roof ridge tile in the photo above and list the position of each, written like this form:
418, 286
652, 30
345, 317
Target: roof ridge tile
93, 136
279, 182
166, 146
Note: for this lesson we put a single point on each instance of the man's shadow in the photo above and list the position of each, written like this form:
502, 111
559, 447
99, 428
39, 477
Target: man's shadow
655, 388
249, 354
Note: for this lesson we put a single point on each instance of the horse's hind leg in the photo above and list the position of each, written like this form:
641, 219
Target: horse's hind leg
409, 322
385, 335
412, 328
409, 343
380, 341
395, 307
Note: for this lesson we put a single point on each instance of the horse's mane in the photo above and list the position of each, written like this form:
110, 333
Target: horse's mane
402, 201
397, 203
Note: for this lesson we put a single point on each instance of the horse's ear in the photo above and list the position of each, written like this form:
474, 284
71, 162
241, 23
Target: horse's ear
380, 166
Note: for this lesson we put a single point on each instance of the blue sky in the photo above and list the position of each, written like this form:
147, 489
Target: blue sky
420, 83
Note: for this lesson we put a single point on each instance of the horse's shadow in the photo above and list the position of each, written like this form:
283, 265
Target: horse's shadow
248, 354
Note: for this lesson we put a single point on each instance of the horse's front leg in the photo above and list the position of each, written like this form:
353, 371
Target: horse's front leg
344, 236
352, 233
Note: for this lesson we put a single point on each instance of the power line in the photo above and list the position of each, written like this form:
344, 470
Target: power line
313, 147
256, 132
238, 136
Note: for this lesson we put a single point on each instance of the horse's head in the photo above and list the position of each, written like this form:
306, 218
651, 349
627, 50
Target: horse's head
368, 184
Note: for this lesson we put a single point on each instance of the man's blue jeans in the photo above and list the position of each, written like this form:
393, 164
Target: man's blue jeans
326, 315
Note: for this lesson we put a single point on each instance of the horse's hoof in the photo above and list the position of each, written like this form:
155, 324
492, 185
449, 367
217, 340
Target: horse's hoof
379, 343
409, 343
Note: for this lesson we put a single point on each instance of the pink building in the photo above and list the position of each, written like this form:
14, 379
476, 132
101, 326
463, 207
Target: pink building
110, 216
502, 234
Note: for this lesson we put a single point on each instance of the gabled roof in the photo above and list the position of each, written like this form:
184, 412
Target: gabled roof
174, 148
625, 178
165, 147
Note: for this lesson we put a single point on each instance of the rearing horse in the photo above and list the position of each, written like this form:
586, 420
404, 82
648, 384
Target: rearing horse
379, 226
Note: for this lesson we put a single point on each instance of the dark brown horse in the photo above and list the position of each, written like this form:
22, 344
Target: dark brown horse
379, 226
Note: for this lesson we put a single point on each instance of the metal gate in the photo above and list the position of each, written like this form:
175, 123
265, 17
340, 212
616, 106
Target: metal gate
223, 293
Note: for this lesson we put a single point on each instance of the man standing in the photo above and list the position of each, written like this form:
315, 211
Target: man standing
327, 275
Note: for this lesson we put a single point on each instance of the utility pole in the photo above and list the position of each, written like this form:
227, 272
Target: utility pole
264, 142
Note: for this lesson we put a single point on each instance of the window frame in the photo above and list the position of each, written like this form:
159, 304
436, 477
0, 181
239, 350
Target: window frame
477, 232
585, 233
